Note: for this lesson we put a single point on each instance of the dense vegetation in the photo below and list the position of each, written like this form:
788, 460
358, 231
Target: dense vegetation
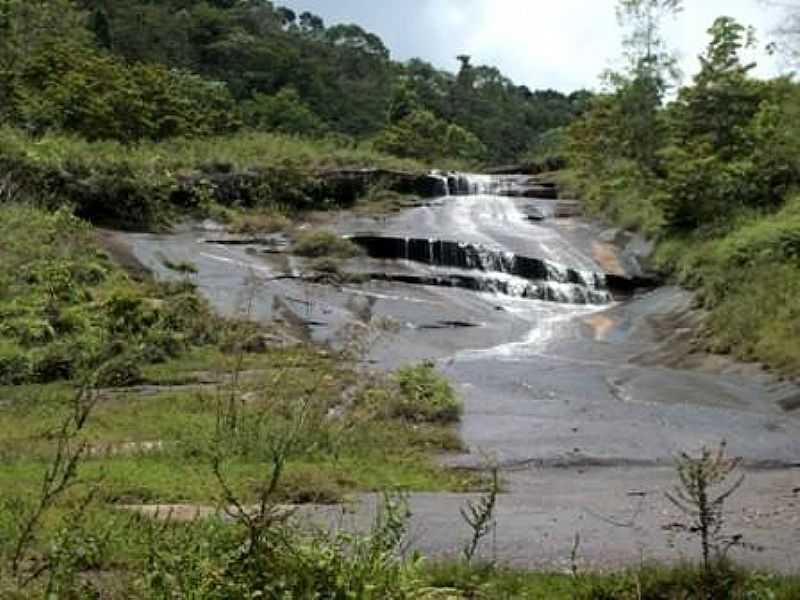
139, 70
66, 309
713, 174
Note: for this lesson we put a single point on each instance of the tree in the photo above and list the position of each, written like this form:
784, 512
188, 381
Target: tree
355, 38
651, 70
102, 29
311, 25
284, 112
723, 99
26, 27
424, 136
711, 171
287, 16
404, 102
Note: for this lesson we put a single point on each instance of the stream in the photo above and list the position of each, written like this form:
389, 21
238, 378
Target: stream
583, 397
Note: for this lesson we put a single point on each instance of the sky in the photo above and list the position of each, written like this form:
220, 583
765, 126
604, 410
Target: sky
559, 44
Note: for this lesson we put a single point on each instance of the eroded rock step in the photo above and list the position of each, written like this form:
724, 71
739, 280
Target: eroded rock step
522, 276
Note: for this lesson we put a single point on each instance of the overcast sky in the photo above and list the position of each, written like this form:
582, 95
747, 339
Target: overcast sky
561, 44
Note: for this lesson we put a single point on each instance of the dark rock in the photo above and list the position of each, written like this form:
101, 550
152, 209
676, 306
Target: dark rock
449, 325
347, 185
533, 213
622, 286
568, 208
531, 191
791, 403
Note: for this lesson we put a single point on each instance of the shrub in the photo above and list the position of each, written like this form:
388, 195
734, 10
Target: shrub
425, 396
122, 371
318, 243
65, 309
15, 364
284, 112
423, 135
327, 265
259, 222
55, 362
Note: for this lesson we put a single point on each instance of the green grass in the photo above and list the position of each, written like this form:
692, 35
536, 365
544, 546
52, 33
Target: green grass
648, 582
365, 448
748, 278
380, 202
321, 243
238, 152
259, 221
147, 185
66, 308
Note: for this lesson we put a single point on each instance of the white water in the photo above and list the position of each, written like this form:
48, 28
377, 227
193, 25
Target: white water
497, 222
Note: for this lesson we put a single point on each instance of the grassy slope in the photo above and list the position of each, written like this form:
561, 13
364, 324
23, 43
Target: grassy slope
749, 279
747, 276
145, 185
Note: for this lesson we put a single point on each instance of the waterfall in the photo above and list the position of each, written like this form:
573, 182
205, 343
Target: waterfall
500, 272
443, 180
473, 184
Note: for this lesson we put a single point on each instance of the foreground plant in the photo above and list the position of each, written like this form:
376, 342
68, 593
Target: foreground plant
480, 516
705, 485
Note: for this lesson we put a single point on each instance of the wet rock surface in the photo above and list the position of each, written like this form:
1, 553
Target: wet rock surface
584, 406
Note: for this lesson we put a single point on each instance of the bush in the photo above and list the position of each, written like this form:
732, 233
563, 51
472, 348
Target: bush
284, 112
15, 364
122, 371
65, 310
425, 396
259, 222
55, 362
424, 136
318, 243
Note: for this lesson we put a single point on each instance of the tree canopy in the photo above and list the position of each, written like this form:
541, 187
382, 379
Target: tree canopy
258, 65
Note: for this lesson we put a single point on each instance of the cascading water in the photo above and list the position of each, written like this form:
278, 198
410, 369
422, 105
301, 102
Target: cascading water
471, 184
501, 272
444, 182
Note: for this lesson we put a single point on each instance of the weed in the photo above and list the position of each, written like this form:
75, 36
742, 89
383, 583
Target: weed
260, 221
425, 396
480, 516
695, 497
319, 243
183, 267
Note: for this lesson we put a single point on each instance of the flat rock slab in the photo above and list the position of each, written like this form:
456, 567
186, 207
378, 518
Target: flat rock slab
620, 515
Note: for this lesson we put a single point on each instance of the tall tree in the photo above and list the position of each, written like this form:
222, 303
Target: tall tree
723, 99
650, 70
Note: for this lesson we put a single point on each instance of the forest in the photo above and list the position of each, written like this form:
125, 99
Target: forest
158, 70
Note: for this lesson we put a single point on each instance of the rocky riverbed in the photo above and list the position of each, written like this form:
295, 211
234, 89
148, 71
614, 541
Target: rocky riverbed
582, 396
